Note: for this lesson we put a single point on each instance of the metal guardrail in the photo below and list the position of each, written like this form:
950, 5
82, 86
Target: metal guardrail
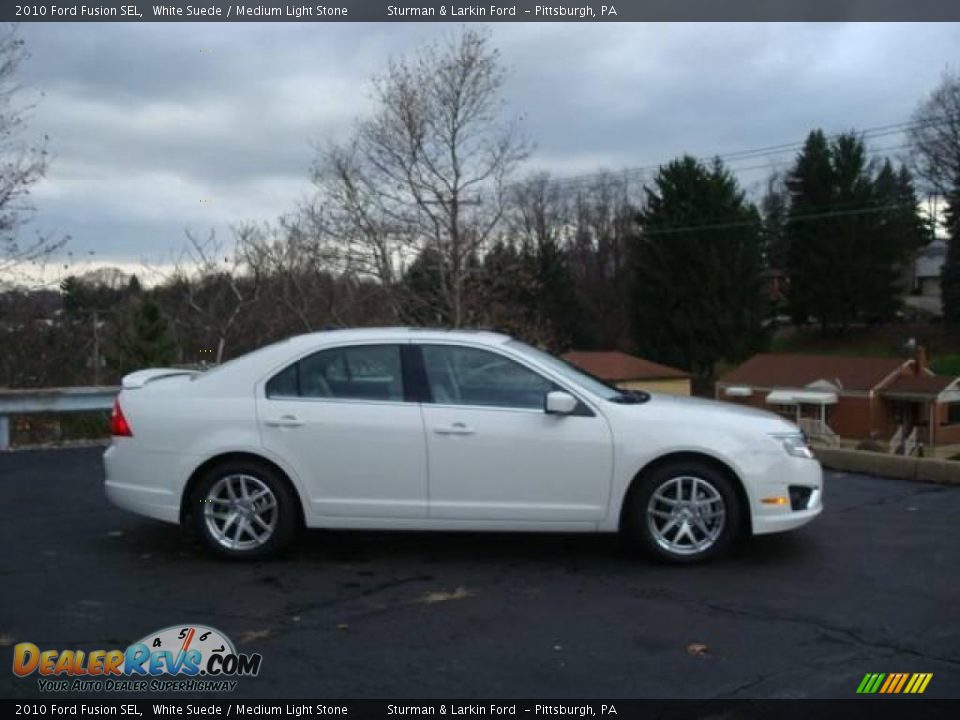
51, 400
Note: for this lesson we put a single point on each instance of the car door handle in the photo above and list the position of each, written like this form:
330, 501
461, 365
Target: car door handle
457, 428
290, 421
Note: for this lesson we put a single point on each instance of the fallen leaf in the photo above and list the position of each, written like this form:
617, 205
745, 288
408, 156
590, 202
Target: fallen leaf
254, 635
697, 649
443, 596
342, 626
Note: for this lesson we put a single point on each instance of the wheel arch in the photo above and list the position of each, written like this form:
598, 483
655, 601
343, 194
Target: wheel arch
236, 455
746, 525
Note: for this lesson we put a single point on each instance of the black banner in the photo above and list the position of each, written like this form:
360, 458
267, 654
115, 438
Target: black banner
497, 11
868, 709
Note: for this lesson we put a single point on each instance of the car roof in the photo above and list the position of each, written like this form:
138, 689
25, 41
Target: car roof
401, 334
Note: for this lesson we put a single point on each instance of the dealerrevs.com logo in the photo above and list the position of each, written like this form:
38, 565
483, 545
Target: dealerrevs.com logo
188, 658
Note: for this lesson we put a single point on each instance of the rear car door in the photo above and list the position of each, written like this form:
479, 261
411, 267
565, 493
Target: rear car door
342, 418
496, 455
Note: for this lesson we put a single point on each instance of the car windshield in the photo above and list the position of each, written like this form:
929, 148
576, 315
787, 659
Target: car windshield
575, 375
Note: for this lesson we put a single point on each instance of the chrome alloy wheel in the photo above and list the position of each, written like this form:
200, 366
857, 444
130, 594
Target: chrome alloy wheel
240, 512
686, 515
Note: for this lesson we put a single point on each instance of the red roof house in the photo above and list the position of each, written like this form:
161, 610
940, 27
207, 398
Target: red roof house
853, 397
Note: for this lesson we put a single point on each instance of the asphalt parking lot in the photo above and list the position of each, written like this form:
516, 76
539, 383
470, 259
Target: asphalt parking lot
872, 586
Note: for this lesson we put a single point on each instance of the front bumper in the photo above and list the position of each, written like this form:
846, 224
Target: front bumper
776, 481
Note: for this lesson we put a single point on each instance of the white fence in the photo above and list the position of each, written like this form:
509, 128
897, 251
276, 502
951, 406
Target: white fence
51, 400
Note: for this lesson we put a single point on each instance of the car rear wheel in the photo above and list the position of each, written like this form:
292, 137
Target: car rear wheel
244, 510
683, 512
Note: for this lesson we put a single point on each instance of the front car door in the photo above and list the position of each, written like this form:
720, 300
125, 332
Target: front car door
343, 418
495, 455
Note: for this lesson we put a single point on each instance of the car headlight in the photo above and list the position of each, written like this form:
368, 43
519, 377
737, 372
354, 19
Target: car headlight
794, 444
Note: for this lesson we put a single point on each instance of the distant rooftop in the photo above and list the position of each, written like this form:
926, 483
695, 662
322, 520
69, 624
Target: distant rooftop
927, 385
615, 366
797, 371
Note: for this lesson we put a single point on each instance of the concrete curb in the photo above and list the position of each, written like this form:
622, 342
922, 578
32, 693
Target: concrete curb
943, 472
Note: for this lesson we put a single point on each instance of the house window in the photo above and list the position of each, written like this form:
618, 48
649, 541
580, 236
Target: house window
953, 413
787, 411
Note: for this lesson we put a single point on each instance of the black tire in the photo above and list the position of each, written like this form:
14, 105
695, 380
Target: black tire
637, 520
286, 522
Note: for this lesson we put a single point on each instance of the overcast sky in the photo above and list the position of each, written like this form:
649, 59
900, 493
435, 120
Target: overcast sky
157, 127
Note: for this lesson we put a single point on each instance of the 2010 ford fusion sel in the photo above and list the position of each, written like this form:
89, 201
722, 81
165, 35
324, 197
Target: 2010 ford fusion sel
409, 429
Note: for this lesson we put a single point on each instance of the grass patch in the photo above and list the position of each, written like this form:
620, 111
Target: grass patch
941, 340
946, 364
43, 428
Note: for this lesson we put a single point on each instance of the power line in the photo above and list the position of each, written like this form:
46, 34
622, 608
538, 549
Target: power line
782, 162
670, 230
639, 172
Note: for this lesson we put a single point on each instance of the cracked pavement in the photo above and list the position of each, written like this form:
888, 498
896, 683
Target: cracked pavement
871, 586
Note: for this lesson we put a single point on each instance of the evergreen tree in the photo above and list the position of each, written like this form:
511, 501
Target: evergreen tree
422, 300
508, 284
143, 339
697, 269
811, 260
850, 231
898, 233
527, 287
77, 295
555, 302
950, 275
90, 293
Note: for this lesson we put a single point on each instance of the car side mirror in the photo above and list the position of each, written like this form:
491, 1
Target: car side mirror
559, 403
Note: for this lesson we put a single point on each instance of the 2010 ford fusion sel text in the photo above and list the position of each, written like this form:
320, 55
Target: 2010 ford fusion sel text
414, 429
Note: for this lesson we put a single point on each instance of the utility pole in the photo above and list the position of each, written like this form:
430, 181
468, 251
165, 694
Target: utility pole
96, 347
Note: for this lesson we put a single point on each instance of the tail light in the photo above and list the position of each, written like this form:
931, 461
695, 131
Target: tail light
119, 427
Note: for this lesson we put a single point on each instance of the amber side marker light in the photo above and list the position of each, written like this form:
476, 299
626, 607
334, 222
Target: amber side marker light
779, 500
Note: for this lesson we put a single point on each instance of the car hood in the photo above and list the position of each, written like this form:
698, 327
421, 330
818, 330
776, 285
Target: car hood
700, 411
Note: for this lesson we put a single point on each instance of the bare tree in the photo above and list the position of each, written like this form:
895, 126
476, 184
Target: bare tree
217, 284
539, 211
427, 171
605, 224
21, 164
302, 270
935, 136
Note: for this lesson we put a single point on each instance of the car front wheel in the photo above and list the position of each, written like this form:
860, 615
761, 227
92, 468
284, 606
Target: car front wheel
244, 510
684, 512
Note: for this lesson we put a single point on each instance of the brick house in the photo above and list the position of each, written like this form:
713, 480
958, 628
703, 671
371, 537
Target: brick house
853, 397
630, 372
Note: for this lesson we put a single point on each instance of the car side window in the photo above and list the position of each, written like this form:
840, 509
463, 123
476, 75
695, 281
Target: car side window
361, 372
284, 383
469, 376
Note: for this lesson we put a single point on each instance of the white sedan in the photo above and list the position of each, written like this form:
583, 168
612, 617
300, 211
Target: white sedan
411, 429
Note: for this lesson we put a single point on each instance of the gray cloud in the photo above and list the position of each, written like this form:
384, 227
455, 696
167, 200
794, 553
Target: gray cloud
156, 127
